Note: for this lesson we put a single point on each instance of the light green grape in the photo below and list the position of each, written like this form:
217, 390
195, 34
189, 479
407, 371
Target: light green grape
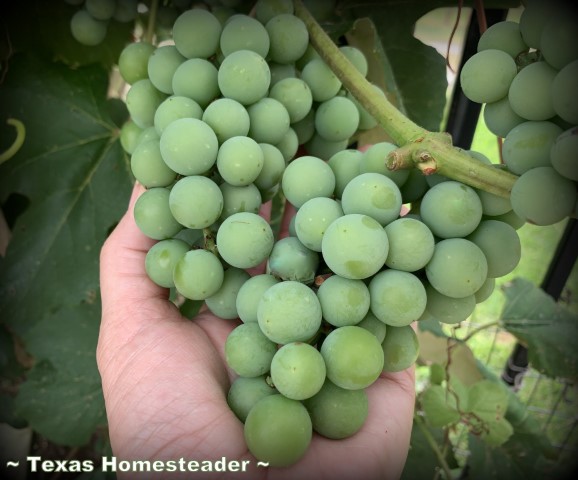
289, 38
336, 119
291, 260
353, 357
374, 325
198, 275
295, 95
400, 348
487, 75
265, 10
366, 120
323, 148
343, 301
196, 201
288, 145
298, 370
305, 128
162, 258
458, 268
250, 295
336, 412
273, 167
321, 80
355, 246
558, 42
148, 166
147, 134
542, 196
447, 309
244, 76
196, 78
223, 302
129, 134
86, 29
280, 72
189, 146
313, 218
162, 65
240, 160
564, 154
153, 216
244, 240
373, 161
451, 209
374, 195
289, 312
485, 290
345, 166
500, 118
411, 244
244, 33
142, 101
248, 352
533, 82
239, 199
356, 57
305, 178
503, 36
528, 146
228, 118
100, 9
278, 430
197, 33
534, 17
564, 96
133, 61
173, 108
269, 121
245, 392
511, 218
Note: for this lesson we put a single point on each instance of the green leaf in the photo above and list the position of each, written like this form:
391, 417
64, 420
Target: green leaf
545, 327
62, 397
439, 406
76, 177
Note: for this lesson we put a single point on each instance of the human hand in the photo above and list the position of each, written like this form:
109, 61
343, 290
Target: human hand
165, 383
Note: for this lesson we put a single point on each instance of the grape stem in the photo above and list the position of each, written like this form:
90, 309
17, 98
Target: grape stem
150, 31
430, 152
18, 141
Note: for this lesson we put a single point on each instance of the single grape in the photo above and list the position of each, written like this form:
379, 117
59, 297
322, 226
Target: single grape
265, 10
142, 101
196, 78
281, 71
196, 201
161, 259
248, 352
400, 348
240, 160
148, 166
197, 33
374, 325
147, 134
534, 17
305, 128
535, 82
291, 260
244, 76
366, 119
321, 80
173, 108
198, 275
239, 199
245, 392
228, 118
133, 61
345, 166
273, 167
288, 145
503, 36
336, 119
356, 57
559, 39
250, 295
244, 33
485, 290
295, 95
564, 96
487, 75
564, 154
500, 118
305, 178
511, 218
163, 63
323, 148
373, 160
313, 218
289, 38
269, 121
411, 244
129, 134
100, 9
223, 302
447, 309
153, 216
343, 301
86, 29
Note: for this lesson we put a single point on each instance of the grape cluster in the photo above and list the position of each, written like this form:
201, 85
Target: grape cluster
217, 119
526, 75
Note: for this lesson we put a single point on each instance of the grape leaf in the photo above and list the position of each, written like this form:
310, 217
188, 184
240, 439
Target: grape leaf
545, 327
439, 406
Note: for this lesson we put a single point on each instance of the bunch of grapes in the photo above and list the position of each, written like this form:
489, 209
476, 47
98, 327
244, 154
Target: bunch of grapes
235, 111
526, 75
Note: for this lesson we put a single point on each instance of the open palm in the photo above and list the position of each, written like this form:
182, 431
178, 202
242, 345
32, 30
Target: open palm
165, 383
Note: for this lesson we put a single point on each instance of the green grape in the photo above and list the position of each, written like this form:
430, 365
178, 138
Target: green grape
345, 166
278, 430
161, 259
289, 38
250, 295
239, 199
244, 76
197, 33
366, 120
305, 128
485, 290
148, 166
535, 82
493, 204
248, 352
374, 325
534, 17
223, 302
458, 267
336, 412
343, 301
487, 75
500, 244
147, 134
133, 61
305, 178
163, 63
415, 187
503, 36
564, 96
559, 39
244, 240
193, 237
273, 167
245, 392
321, 80
500, 118
244, 33
142, 101
129, 134
153, 216
295, 95
196, 201
511, 218
310, 54
353, 357
269, 121
288, 312
173, 108
313, 218
542, 196
336, 119
291, 260
373, 161
228, 118
397, 298
288, 145
411, 244
355, 246
528, 146
240, 160
100, 9
447, 309
322, 148
125, 11
86, 29
451, 209
196, 78
374, 195
356, 57
280, 72
265, 10
189, 146
198, 275
564, 154
400, 348
298, 370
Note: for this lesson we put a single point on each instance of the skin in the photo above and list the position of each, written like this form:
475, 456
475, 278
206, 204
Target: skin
165, 383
